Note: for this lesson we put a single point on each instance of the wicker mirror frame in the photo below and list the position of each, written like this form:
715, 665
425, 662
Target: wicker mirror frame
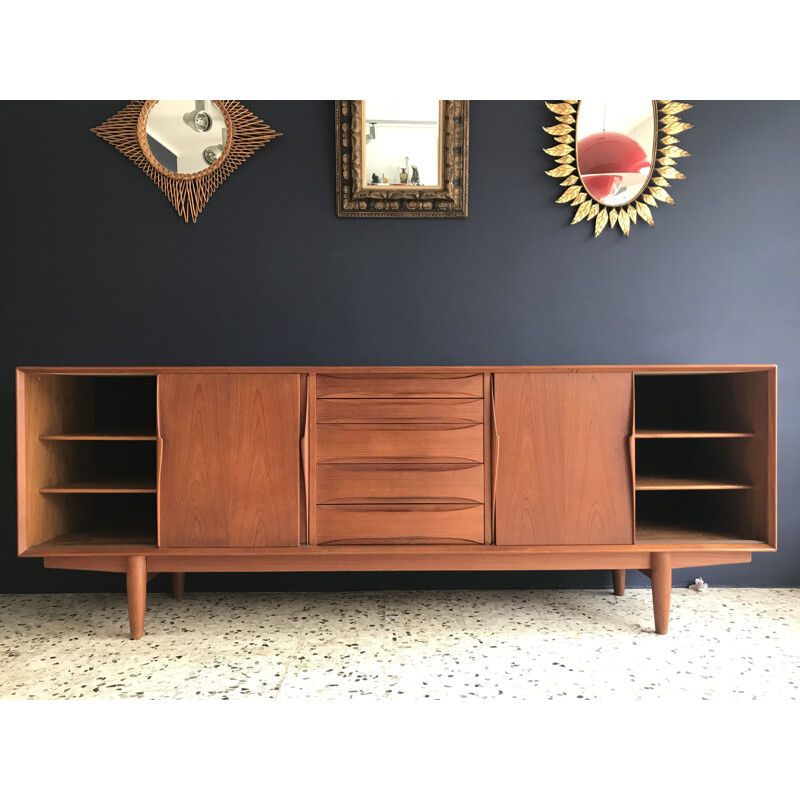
188, 192
353, 199
667, 125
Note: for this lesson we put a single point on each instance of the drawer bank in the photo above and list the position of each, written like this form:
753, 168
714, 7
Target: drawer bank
186, 469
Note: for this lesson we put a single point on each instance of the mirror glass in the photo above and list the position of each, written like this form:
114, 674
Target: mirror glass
186, 136
401, 143
616, 142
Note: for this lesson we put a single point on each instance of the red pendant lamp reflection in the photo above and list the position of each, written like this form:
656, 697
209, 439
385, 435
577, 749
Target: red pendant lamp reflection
609, 159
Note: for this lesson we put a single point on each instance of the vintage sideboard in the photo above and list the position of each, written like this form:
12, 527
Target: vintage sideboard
143, 470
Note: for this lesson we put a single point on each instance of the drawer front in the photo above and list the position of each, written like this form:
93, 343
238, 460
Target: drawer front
399, 483
394, 385
387, 443
411, 410
415, 524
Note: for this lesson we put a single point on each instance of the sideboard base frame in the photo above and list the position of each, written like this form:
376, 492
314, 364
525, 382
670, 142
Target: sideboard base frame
139, 569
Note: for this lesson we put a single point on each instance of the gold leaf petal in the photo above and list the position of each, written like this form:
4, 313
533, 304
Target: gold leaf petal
675, 108
661, 194
567, 120
565, 160
579, 199
612, 217
558, 130
676, 127
661, 181
674, 152
568, 139
559, 150
593, 211
632, 213
560, 108
644, 212
600, 222
671, 173
570, 180
669, 119
651, 201
583, 210
666, 162
624, 223
668, 140
570, 194
560, 172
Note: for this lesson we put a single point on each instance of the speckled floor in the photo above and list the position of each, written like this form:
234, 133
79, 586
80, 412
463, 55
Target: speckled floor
539, 644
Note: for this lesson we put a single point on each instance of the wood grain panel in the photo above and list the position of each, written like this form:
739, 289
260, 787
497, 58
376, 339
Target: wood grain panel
230, 467
374, 523
411, 410
377, 443
398, 385
393, 483
563, 472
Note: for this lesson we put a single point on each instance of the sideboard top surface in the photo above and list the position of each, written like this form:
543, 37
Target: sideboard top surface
670, 368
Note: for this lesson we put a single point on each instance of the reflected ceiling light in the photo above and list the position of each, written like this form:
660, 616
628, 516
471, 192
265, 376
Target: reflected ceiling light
198, 120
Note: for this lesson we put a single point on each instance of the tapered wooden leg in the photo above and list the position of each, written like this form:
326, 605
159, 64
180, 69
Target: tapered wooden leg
661, 577
618, 577
136, 580
178, 580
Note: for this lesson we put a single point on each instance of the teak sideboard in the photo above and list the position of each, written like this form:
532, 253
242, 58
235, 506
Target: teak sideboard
187, 469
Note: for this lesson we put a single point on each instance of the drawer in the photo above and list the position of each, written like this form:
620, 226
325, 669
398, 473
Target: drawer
395, 483
432, 523
411, 410
395, 385
388, 443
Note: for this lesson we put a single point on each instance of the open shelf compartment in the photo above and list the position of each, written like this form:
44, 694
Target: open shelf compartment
703, 452
90, 459
701, 516
100, 520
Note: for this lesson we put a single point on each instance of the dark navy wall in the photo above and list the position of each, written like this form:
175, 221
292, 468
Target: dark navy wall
98, 269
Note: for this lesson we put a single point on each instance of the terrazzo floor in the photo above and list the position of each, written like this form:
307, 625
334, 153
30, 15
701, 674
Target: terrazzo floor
537, 644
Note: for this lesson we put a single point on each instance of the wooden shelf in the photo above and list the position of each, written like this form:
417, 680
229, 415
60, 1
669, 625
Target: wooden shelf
105, 538
665, 433
105, 436
102, 487
666, 483
658, 533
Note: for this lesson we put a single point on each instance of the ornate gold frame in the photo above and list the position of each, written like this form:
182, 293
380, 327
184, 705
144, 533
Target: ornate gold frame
667, 125
355, 200
188, 193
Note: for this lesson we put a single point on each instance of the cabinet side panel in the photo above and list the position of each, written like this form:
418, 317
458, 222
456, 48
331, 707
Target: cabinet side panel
231, 469
564, 463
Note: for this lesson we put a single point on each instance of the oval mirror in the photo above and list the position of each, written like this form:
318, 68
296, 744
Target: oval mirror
186, 136
616, 158
616, 147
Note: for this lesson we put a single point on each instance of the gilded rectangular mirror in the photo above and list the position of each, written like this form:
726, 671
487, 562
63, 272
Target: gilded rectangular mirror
402, 158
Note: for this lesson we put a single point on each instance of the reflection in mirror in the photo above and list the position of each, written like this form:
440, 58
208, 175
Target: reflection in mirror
616, 143
186, 136
401, 139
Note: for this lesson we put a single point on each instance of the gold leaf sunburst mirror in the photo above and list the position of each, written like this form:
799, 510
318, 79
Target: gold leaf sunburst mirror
616, 158
186, 147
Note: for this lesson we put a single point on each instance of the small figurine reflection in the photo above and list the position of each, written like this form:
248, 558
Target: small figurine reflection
414, 176
375, 180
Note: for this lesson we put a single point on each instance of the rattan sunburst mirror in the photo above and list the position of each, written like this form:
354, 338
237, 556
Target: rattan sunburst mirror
616, 158
186, 147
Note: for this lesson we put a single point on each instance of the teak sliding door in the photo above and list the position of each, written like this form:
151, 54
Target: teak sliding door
229, 471
563, 464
